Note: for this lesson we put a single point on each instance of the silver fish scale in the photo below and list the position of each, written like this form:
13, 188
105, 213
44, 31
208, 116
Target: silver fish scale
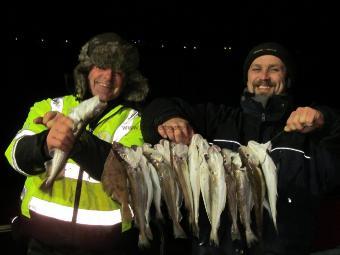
187, 171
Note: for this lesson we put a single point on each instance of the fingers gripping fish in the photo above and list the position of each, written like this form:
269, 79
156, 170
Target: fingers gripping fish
81, 115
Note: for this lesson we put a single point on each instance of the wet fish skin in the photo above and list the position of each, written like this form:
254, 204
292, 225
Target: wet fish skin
180, 162
270, 174
157, 191
81, 115
138, 192
194, 177
244, 199
168, 186
230, 178
218, 190
149, 190
257, 184
138, 197
114, 181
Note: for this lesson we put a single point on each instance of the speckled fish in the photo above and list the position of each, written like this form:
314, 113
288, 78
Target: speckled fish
115, 183
230, 180
138, 192
197, 168
244, 198
204, 175
257, 183
169, 188
180, 162
218, 190
157, 191
269, 171
143, 163
81, 115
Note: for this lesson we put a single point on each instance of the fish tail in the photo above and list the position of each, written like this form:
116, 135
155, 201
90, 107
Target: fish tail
148, 232
235, 233
143, 241
251, 238
46, 187
214, 238
274, 221
159, 215
195, 229
178, 231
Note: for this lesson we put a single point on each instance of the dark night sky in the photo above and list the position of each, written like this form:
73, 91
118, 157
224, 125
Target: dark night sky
36, 70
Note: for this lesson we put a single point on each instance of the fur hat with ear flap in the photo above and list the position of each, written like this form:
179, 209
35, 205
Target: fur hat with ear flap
275, 49
109, 50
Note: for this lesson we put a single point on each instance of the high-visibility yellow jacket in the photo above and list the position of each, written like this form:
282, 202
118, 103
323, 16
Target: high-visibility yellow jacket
94, 207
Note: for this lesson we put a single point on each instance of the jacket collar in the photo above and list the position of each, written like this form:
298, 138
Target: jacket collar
277, 107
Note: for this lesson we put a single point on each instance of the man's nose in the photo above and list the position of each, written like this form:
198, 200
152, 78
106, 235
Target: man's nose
107, 74
264, 75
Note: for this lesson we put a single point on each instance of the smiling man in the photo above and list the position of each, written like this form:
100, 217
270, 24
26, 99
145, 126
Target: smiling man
77, 216
266, 69
306, 154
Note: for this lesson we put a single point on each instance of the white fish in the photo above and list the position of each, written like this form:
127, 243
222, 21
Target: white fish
169, 186
257, 183
180, 162
147, 178
138, 192
81, 115
269, 172
230, 178
157, 191
195, 168
218, 190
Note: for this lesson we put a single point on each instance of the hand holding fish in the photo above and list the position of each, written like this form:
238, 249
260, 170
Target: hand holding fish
60, 135
304, 120
177, 130
61, 131
48, 119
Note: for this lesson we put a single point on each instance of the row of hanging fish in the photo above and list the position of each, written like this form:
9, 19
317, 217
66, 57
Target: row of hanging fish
242, 181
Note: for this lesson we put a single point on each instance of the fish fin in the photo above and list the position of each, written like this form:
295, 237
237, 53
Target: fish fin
126, 213
148, 232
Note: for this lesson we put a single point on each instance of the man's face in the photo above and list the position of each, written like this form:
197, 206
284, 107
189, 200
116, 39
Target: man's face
266, 76
105, 83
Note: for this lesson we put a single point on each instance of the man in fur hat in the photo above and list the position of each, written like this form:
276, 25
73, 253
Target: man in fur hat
76, 216
306, 154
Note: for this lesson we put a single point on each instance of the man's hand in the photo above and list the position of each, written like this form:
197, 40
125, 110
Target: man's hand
61, 131
177, 130
48, 119
304, 120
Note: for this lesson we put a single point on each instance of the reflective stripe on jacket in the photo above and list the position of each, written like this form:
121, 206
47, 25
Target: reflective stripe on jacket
95, 207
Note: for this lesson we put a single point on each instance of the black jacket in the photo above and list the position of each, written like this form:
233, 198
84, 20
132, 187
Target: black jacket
307, 163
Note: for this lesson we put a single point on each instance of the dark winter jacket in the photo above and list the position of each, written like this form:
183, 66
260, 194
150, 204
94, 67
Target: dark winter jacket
307, 164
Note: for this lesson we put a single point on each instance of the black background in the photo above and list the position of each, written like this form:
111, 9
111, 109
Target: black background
39, 69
